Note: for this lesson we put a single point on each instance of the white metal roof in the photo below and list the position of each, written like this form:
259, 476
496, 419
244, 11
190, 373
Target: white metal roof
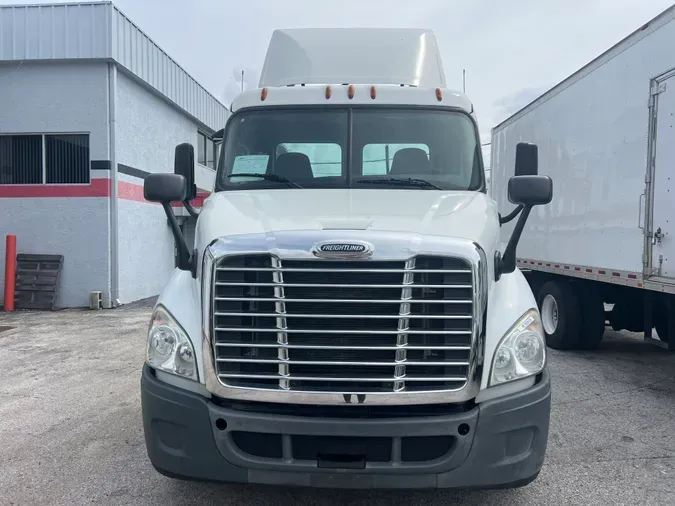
353, 55
100, 31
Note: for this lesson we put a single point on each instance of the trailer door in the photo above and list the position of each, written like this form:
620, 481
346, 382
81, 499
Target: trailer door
662, 226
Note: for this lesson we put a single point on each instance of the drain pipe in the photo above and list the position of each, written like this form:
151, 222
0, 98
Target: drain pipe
114, 231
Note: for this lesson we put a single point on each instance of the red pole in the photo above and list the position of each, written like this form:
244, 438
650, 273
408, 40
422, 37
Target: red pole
10, 272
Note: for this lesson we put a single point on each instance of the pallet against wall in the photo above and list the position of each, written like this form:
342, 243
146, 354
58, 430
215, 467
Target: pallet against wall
37, 281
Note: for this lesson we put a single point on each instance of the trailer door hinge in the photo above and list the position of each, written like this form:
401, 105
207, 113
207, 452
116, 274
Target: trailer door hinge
658, 88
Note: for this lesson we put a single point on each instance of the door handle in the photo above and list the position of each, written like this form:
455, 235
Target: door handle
640, 224
658, 235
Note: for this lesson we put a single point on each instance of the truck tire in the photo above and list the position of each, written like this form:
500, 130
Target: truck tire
560, 314
662, 329
593, 319
661, 321
535, 281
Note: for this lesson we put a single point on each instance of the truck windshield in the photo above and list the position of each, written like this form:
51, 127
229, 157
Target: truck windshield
351, 148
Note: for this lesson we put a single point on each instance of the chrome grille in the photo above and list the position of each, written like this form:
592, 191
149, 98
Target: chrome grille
343, 326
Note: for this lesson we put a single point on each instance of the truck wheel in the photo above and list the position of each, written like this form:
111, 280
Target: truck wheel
535, 283
592, 309
560, 314
662, 330
661, 321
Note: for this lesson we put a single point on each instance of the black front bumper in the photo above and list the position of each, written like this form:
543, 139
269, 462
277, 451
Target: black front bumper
498, 444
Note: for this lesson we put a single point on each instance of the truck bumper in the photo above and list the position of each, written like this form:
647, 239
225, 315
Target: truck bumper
498, 444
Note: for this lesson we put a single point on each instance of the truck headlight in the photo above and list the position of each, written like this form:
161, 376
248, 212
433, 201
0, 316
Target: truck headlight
169, 348
521, 352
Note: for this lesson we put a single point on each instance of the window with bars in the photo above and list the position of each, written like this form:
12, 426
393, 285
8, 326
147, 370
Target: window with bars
44, 159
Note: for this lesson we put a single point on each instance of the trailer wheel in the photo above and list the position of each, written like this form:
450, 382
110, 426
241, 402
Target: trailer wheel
560, 314
593, 319
662, 329
535, 282
661, 321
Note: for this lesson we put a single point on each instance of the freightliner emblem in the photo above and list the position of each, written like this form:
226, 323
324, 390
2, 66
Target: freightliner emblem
340, 249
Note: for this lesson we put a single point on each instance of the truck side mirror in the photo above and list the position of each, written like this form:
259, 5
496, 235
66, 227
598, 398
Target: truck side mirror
527, 192
527, 159
164, 188
184, 165
527, 164
530, 191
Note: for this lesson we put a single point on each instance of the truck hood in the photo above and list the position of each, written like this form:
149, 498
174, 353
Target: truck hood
464, 215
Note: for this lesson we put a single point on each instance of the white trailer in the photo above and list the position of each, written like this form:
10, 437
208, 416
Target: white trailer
606, 136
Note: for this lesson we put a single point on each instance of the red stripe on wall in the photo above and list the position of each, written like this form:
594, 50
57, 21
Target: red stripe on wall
97, 188
130, 191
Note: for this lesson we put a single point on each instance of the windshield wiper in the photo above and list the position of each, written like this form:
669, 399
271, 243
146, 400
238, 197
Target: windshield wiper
420, 183
268, 177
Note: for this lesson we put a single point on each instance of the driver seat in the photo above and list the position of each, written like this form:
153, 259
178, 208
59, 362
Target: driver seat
294, 167
410, 161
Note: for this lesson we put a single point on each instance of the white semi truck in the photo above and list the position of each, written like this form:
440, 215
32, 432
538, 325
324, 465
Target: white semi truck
604, 251
345, 317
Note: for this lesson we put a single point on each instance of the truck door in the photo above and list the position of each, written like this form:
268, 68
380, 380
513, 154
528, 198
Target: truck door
661, 239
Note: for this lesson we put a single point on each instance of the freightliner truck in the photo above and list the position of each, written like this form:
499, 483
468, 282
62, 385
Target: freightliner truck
347, 316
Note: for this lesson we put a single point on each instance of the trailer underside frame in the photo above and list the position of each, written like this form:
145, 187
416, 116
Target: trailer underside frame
640, 305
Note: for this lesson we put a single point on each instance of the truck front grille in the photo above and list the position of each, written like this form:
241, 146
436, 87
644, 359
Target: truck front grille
353, 327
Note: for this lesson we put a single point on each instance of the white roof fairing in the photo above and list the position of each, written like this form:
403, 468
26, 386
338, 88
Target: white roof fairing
353, 55
100, 31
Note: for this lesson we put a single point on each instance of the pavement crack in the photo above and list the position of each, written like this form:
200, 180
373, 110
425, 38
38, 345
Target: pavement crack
612, 394
629, 459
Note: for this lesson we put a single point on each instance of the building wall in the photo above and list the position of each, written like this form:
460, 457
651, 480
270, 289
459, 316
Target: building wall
71, 220
146, 249
147, 131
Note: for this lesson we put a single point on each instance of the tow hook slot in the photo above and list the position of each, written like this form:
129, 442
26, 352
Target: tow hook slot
340, 461
346, 455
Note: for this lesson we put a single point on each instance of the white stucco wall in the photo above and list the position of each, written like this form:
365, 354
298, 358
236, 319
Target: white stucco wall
76, 228
59, 97
73, 97
146, 250
148, 130
56, 97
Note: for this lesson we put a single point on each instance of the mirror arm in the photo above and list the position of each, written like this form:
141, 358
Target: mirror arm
511, 215
506, 263
190, 209
185, 258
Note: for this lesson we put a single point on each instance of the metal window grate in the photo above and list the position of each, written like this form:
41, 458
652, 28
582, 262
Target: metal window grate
343, 326
66, 159
20, 159
44, 159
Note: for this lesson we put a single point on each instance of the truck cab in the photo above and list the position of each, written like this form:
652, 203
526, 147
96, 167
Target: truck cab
347, 316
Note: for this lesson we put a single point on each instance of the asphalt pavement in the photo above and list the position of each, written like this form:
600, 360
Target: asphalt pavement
71, 432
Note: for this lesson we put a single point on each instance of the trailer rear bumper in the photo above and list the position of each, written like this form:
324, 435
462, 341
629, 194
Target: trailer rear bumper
498, 444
